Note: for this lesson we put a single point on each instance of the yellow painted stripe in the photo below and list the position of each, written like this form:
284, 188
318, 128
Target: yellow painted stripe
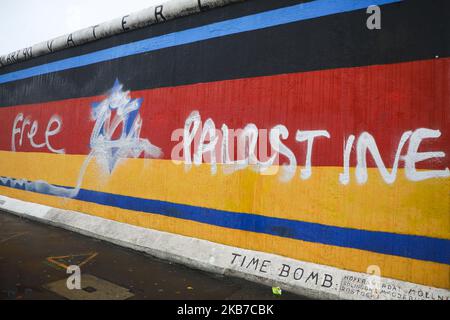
420, 208
416, 271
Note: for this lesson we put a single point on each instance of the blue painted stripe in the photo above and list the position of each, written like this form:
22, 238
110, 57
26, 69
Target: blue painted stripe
303, 11
403, 245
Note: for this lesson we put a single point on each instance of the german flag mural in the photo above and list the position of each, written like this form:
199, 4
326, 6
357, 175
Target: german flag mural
282, 127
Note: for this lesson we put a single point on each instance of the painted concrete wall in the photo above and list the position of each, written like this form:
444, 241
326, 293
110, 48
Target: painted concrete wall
283, 128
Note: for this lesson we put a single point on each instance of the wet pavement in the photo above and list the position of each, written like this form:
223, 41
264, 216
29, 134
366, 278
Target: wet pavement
34, 256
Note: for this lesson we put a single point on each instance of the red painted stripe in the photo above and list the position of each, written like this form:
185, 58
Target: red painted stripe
384, 100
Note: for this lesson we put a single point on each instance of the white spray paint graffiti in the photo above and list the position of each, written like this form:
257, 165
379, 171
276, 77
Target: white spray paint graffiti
247, 140
107, 150
116, 112
413, 156
309, 137
246, 147
40, 186
116, 136
49, 132
344, 178
366, 142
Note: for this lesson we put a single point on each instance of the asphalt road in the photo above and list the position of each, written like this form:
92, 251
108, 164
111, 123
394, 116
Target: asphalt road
34, 257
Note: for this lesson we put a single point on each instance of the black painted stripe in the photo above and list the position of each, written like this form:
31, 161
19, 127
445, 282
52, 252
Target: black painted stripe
191, 21
411, 30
